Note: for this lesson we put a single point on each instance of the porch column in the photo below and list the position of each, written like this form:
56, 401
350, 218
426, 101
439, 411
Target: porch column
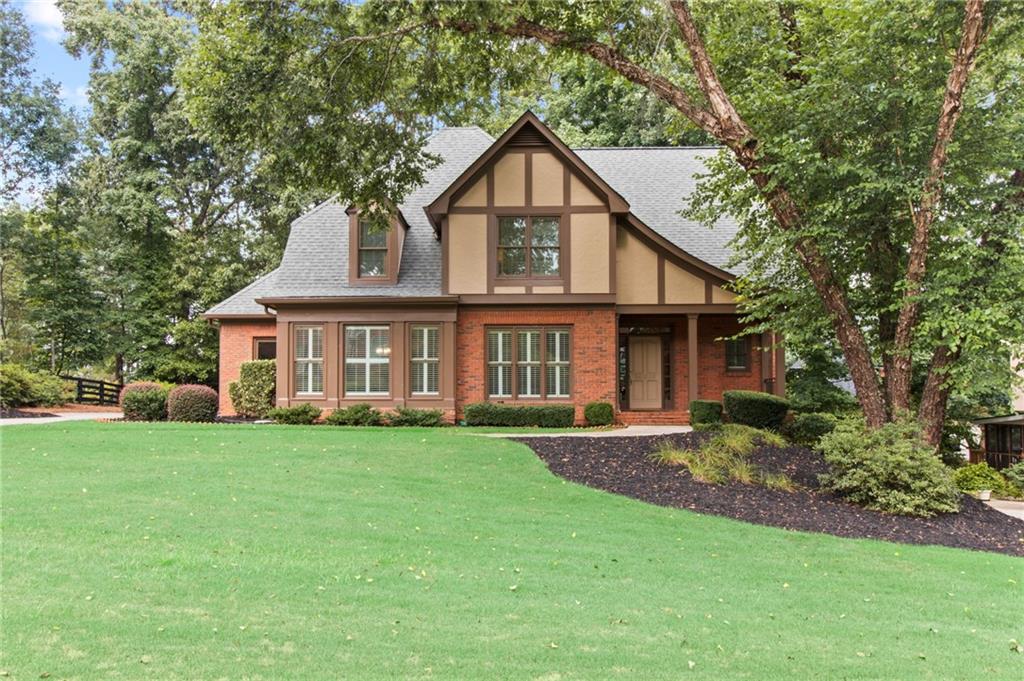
693, 368
767, 364
780, 366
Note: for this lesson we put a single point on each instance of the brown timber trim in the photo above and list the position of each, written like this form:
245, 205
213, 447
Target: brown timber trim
661, 279
215, 316
537, 299
256, 340
692, 359
391, 259
376, 301
679, 256
721, 308
444, 255
780, 366
709, 292
766, 359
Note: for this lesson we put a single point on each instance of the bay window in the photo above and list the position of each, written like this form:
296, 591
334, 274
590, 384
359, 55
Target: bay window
309, 360
367, 360
528, 363
424, 359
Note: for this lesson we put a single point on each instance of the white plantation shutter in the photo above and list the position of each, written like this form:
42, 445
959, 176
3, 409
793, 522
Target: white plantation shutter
557, 364
528, 363
309, 360
499, 363
424, 359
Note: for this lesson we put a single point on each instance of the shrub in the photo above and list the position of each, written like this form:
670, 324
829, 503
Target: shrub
807, 429
1015, 475
705, 412
889, 469
759, 410
144, 401
21, 387
192, 403
421, 418
599, 413
979, 476
360, 414
725, 456
253, 393
299, 415
548, 416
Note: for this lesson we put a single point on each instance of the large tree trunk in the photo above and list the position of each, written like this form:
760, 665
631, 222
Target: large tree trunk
974, 33
935, 398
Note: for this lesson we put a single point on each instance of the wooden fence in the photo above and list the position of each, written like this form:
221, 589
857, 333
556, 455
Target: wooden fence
93, 391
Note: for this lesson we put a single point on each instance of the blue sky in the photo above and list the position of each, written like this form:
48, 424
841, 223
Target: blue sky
51, 60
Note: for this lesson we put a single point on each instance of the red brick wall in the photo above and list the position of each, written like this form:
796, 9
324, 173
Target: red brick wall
713, 379
236, 347
593, 352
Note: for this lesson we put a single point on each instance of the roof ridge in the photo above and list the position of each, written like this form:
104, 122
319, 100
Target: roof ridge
654, 148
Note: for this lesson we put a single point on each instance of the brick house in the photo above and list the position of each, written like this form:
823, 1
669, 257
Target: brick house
521, 271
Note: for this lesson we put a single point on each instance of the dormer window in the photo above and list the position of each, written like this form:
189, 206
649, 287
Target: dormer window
528, 247
372, 251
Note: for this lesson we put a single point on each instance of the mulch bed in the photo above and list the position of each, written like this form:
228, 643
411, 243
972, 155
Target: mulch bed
22, 414
621, 465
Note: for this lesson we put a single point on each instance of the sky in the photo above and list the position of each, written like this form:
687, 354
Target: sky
51, 59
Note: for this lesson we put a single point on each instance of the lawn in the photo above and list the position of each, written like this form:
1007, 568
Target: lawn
268, 552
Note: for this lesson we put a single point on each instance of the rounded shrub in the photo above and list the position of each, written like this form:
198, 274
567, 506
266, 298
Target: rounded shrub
599, 413
144, 401
705, 412
252, 394
889, 469
192, 403
807, 429
22, 387
979, 476
419, 418
1015, 475
756, 409
361, 414
299, 415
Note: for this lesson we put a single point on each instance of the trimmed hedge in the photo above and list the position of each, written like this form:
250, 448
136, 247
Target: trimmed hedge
192, 403
705, 412
144, 401
361, 414
755, 409
599, 413
22, 387
299, 415
252, 394
418, 418
547, 416
889, 469
808, 429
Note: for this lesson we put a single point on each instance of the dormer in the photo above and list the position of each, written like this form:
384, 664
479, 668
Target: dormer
517, 219
374, 253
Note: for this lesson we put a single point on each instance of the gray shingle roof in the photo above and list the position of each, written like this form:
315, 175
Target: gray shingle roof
655, 182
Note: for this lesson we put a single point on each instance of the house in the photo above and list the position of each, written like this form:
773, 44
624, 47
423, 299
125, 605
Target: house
1002, 437
521, 271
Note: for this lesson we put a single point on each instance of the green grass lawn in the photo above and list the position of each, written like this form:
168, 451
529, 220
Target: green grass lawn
268, 552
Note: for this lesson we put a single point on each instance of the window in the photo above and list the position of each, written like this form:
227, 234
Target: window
528, 247
373, 251
737, 354
424, 359
309, 360
528, 363
367, 360
264, 348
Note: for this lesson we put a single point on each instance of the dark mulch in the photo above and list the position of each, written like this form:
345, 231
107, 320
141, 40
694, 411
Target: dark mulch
21, 414
621, 465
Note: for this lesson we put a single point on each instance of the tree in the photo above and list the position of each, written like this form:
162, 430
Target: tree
37, 136
848, 210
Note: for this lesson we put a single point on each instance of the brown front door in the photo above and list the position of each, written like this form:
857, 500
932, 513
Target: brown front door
645, 372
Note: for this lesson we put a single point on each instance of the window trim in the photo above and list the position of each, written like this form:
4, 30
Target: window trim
747, 348
262, 339
296, 359
367, 361
528, 275
395, 237
413, 361
514, 395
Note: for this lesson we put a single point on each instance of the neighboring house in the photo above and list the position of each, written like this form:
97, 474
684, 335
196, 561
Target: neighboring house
1002, 437
522, 272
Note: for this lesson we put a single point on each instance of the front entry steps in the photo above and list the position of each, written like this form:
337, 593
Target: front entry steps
659, 418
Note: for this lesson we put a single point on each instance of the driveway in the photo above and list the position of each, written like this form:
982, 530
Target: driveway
1011, 508
61, 418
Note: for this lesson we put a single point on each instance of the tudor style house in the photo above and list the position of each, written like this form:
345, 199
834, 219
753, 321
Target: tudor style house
521, 271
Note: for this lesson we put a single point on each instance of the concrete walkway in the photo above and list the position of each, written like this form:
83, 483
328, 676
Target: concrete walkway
628, 431
61, 418
1011, 508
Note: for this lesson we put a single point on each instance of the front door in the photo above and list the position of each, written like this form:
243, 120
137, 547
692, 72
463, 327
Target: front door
645, 372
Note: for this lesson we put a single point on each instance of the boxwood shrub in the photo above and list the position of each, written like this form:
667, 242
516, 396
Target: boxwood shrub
599, 413
756, 409
252, 394
705, 412
889, 469
361, 414
547, 416
192, 403
144, 401
299, 415
420, 418
808, 429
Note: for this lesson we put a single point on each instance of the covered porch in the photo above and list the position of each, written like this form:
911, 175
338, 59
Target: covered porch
666, 360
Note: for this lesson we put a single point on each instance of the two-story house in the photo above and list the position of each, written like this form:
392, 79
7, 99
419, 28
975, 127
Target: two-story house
521, 271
